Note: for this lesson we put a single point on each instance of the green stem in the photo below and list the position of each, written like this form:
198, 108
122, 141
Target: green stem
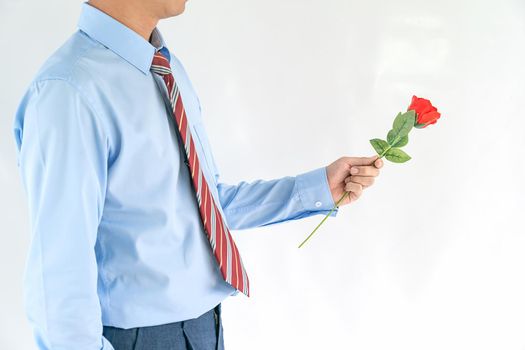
336, 206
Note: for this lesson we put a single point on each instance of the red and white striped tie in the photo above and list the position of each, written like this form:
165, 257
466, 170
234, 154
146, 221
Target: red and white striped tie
224, 249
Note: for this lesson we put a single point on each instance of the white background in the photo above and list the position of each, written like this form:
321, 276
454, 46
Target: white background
431, 257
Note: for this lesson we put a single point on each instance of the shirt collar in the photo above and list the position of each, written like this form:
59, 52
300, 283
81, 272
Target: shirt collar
120, 39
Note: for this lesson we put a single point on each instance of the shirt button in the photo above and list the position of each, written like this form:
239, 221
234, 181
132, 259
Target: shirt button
318, 204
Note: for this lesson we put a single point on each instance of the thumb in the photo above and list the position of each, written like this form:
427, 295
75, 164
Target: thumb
362, 160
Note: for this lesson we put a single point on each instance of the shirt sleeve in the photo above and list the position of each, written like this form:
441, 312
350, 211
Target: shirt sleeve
62, 156
268, 202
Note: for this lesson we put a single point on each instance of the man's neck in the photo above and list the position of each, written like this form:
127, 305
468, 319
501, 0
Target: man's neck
128, 13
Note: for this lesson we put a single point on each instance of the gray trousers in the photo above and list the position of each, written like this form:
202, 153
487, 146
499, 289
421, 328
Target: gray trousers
202, 333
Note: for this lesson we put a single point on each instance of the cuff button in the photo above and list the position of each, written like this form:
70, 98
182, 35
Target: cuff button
318, 204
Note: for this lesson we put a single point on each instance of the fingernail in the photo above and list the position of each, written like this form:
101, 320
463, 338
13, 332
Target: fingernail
354, 171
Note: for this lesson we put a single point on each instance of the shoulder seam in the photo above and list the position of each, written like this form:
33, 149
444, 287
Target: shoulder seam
73, 62
83, 96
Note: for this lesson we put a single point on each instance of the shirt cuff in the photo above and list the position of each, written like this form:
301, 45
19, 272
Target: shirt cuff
106, 345
314, 192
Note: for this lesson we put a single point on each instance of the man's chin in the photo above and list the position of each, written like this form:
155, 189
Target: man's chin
177, 11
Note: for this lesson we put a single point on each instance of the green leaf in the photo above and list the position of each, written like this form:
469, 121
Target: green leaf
396, 155
403, 123
400, 143
379, 145
399, 119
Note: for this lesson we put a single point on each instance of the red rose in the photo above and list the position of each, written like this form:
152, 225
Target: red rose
426, 114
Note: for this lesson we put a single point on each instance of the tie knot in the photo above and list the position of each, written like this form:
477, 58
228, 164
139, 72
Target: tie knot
160, 64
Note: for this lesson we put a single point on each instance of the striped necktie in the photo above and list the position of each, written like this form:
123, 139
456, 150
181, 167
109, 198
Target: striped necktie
224, 249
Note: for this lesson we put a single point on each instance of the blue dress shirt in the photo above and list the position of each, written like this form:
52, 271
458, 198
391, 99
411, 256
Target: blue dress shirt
116, 233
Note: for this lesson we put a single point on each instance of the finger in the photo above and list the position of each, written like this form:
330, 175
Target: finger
354, 187
353, 196
361, 160
364, 170
378, 163
365, 181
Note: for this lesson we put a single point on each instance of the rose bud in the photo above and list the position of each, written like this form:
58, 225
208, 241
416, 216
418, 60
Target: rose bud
426, 114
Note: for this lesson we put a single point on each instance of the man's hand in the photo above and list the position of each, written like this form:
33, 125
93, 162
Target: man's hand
352, 174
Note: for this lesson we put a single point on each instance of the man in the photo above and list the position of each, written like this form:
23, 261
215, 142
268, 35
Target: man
130, 240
